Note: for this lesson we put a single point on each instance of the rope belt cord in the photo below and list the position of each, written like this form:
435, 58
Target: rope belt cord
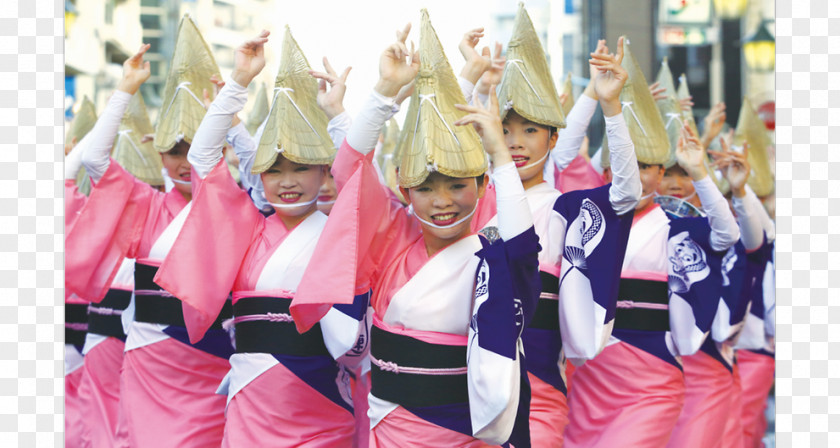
629, 105
271, 317
76, 326
628, 304
389, 366
105, 311
153, 292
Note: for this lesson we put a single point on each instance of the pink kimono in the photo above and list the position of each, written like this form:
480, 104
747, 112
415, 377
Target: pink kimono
424, 392
75, 327
167, 386
283, 389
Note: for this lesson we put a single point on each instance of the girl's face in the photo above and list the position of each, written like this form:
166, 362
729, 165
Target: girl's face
327, 194
676, 182
528, 142
443, 200
287, 182
178, 167
651, 176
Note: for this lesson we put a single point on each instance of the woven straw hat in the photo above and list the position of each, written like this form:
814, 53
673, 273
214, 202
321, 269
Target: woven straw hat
429, 141
716, 175
389, 158
258, 112
296, 126
526, 84
751, 129
570, 99
647, 130
140, 159
83, 121
669, 110
190, 70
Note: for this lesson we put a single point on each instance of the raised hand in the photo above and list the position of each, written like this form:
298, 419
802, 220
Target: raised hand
476, 64
489, 127
135, 71
397, 65
610, 78
332, 101
686, 103
218, 83
690, 154
249, 59
600, 48
563, 99
493, 75
657, 92
69, 146
734, 166
713, 124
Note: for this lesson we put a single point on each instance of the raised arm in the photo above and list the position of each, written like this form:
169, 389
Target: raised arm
626, 188
475, 64
206, 149
96, 156
690, 156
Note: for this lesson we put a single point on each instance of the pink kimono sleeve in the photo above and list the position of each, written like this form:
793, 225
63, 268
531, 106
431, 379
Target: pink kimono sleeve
73, 203
579, 175
204, 260
363, 224
107, 230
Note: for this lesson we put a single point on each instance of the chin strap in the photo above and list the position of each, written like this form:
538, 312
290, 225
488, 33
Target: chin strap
294, 205
648, 196
182, 182
448, 226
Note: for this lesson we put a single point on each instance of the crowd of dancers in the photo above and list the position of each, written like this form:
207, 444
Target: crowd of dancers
472, 278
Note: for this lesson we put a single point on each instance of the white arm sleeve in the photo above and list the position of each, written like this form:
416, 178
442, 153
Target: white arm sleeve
206, 148
725, 231
467, 87
338, 127
571, 137
73, 160
626, 188
364, 132
97, 153
511, 203
749, 211
595, 161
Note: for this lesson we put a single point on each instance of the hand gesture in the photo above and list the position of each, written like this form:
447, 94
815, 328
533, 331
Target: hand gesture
686, 103
713, 123
610, 78
397, 65
332, 101
690, 154
658, 92
563, 99
733, 165
493, 75
476, 64
135, 71
249, 59
69, 146
489, 127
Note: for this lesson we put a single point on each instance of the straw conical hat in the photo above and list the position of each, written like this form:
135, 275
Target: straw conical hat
296, 126
751, 130
259, 112
190, 70
716, 175
429, 140
83, 121
570, 99
526, 84
683, 93
647, 130
666, 80
140, 159
389, 157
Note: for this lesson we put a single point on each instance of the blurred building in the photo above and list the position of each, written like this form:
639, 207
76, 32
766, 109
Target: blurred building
101, 35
